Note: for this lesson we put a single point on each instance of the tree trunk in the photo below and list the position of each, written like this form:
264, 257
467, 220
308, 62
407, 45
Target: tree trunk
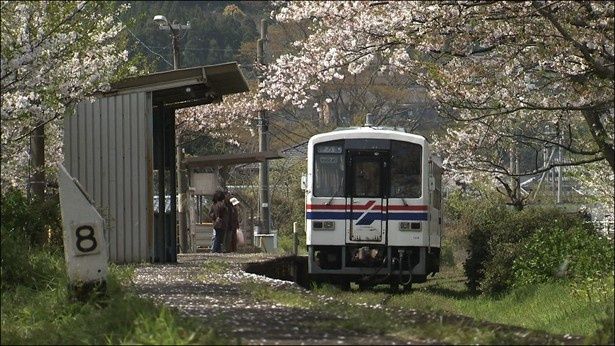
37, 180
37, 147
592, 117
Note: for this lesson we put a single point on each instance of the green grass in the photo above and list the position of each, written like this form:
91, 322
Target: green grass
290, 298
345, 314
557, 308
216, 267
552, 307
37, 310
44, 315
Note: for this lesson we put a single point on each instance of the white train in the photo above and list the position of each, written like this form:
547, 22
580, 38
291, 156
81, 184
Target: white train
373, 207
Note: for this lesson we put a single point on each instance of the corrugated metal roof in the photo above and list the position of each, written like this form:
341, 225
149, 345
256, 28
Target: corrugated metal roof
186, 87
230, 159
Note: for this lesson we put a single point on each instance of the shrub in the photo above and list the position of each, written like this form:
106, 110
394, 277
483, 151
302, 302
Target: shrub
605, 334
496, 237
576, 252
24, 260
447, 257
30, 220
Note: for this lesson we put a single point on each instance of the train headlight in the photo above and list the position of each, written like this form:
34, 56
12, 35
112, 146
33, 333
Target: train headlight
410, 226
323, 225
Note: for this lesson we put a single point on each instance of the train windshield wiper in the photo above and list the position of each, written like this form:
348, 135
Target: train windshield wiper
335, 193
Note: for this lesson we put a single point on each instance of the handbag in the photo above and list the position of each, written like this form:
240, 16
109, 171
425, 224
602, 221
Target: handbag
240, 237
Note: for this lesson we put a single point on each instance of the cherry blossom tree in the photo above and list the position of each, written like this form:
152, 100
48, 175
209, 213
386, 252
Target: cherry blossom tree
54, 54
512, 74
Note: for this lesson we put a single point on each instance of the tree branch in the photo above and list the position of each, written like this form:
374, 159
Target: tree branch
601, 70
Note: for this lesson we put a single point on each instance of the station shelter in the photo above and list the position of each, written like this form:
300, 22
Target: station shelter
121, 149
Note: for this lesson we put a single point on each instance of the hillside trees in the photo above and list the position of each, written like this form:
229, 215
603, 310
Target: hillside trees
218, 28
54, 54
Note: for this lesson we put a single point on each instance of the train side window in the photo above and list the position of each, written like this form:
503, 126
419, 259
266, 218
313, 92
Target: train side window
406, 169
436, 171
329, 169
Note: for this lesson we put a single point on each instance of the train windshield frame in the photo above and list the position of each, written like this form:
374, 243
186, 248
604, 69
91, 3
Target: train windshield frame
402, 172
329, 169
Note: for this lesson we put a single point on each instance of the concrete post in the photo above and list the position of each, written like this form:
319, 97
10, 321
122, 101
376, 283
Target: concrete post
85, 244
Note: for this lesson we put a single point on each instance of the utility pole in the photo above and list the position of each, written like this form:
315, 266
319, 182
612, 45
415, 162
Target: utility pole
263, 128
182, 178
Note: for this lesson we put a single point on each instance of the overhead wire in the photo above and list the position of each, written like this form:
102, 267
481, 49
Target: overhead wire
283, 132
148, 48
290, 146
280, 139
290, 131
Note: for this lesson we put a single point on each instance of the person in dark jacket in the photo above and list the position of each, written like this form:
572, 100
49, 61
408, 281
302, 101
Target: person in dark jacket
219, 216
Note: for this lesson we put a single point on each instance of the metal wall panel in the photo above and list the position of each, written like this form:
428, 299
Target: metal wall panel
108, 148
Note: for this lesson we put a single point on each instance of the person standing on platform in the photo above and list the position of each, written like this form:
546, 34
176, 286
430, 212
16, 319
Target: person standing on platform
219, 217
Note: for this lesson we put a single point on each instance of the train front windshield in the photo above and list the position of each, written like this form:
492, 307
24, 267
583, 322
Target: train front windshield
387, 168
329, 169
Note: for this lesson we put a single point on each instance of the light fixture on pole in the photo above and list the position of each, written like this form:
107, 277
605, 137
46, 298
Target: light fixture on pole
174, 28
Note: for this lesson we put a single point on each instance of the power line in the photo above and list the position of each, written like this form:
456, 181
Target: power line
283, 132
146, 47
281, 140
289, 131
291, 147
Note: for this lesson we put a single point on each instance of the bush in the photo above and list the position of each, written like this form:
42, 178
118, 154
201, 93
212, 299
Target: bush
447, 257
26, 265
31, 220
25, 261
496, 237
605, 334
576, 252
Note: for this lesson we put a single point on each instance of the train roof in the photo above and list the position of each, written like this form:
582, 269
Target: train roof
368, 132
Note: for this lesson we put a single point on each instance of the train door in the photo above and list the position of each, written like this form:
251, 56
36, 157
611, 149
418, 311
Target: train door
435, 191
366, 195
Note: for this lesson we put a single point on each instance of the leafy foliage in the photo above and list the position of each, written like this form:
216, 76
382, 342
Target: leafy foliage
497, 237
24, 228
605, 334
30, 221
287, 195
574, 252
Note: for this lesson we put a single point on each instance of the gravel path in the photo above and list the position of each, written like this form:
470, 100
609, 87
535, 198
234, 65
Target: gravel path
214, 293
188, 287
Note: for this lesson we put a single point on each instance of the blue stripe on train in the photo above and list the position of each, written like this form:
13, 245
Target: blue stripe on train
327, 215
368, 218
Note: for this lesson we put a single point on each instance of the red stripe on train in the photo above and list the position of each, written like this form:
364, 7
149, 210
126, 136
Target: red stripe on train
367, 206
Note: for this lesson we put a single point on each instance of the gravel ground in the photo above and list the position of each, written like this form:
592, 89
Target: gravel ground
216, 296
187, 287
